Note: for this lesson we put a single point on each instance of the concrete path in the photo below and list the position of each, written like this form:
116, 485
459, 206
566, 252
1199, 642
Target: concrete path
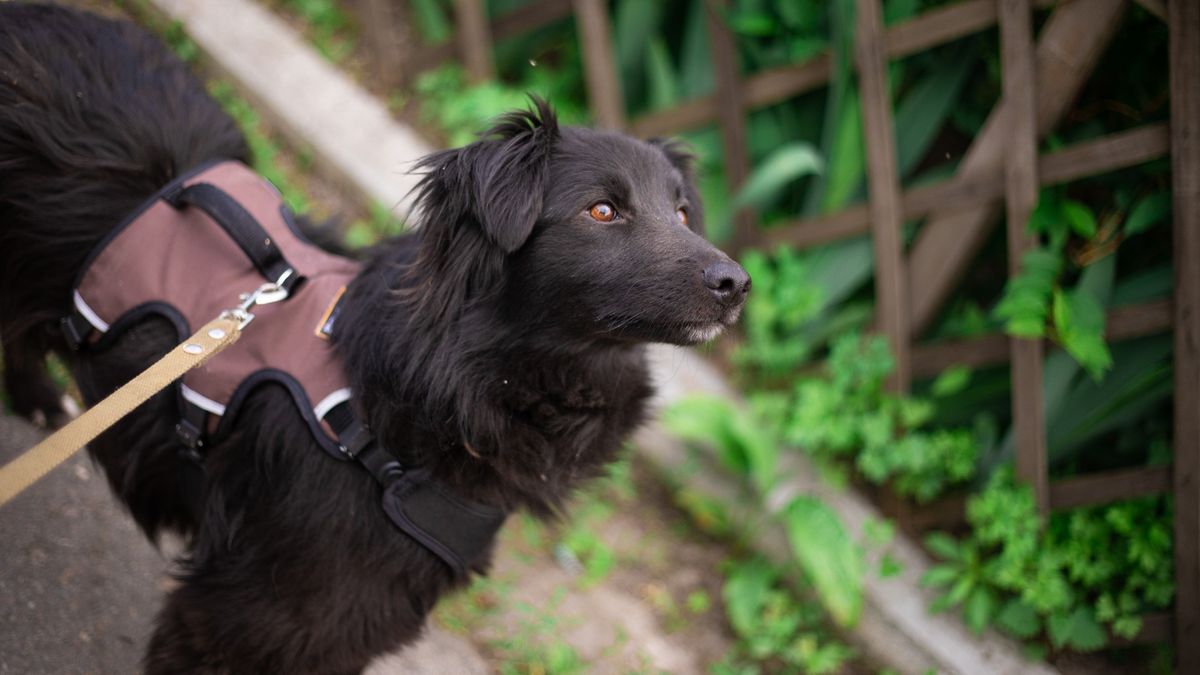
354, 139
79, 584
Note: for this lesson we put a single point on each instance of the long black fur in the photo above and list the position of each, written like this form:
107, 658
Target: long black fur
501, 346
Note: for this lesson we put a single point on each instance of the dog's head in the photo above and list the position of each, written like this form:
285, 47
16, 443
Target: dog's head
588, 233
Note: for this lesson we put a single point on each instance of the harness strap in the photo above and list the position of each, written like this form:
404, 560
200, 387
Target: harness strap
241, 227
454, 529
76, 329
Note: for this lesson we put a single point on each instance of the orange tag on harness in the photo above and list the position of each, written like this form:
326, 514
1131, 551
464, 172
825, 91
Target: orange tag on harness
324, 327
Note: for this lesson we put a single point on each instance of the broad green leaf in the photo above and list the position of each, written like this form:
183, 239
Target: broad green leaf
1150, 284
1139, 380
895, 11
939, 575
846, 159
777, 171
662, 82
1079, 326
1078, 630
1079, 218
828, 557
743, 445
695, 69
430, 20
979, 609
1027, 296
951, 381
841, 130
923, 111
635, 21
1148, 211
745, 592
1019, 619
754, 24
943, 545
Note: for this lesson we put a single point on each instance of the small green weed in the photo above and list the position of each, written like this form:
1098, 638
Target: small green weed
777, 631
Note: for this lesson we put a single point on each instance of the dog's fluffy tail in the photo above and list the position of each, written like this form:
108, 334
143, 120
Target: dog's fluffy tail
95, 116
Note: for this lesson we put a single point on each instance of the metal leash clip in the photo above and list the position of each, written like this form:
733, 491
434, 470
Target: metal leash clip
269, 293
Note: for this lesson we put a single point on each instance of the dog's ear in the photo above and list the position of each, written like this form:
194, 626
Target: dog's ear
682, 158
497, 180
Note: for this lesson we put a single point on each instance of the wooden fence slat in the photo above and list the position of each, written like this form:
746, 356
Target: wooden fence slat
1089, 158
1109, 486
730, 116
520, 20
1122, 323
1156, 628
530, 17
1021, 195
1184, 48
474, 38
929, 29
1069, 45
379, 32
604, 88
883, 186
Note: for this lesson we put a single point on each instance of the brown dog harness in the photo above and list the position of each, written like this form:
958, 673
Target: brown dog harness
222, 231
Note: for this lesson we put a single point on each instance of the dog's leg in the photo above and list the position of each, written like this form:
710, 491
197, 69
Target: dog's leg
227, 622
31, 392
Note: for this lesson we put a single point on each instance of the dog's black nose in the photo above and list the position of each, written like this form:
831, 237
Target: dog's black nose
728, 281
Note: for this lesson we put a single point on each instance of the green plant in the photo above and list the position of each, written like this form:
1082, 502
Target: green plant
775, 628
461, 111
1036, 298
1087, 569
745, 444
329, 27
848, 415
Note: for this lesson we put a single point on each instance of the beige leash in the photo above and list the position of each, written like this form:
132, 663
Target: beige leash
59, 446
193, 352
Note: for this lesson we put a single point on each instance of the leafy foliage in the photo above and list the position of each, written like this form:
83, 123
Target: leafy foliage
329, 27
849, 415
1089, 568
460, 110
774, 626
744, 444
832, 562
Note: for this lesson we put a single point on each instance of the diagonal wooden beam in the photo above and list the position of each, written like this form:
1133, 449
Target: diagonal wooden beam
1069, 46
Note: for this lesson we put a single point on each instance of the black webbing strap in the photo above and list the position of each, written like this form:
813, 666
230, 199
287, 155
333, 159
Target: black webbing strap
457, 531
76, 329
453, 529
240, 226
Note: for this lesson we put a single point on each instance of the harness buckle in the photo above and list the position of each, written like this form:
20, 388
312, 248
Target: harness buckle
267, 294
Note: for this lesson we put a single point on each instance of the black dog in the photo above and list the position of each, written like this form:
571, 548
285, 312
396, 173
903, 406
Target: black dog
501, 346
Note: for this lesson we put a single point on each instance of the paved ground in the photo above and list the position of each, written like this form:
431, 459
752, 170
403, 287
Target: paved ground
79, 585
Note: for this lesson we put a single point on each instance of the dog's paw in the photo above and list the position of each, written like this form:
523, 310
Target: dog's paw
49, 411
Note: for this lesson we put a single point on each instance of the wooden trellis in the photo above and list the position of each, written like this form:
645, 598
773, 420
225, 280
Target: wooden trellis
1001, 168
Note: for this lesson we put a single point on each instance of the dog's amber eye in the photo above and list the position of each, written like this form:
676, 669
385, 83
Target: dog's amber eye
682, 213
603, 212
